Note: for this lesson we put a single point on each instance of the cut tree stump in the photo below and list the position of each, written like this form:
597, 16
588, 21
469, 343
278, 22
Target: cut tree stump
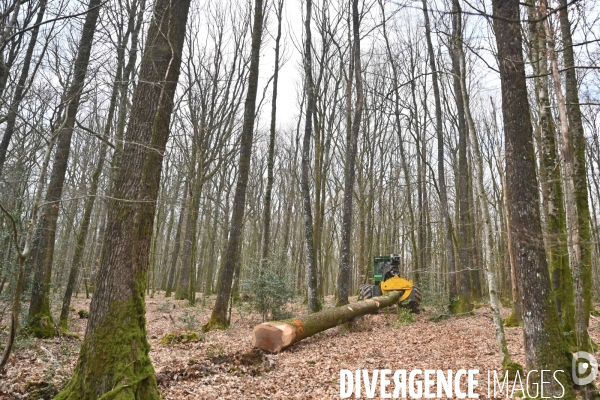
277, 335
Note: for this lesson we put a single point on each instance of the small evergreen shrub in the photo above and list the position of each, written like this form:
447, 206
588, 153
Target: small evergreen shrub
188, 319
271, 286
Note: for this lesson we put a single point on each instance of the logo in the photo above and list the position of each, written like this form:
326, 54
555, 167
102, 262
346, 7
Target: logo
580, 367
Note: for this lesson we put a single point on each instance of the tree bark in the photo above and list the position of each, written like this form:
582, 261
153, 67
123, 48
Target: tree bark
344, 274
463, 302
218, 317
90, 200
545, 347
552, 187
313, 302
113, 361
39, 320
266, 231
277, 335
583, 282
176, 248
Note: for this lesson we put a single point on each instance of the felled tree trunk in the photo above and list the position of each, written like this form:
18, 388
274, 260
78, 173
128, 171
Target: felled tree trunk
277, 335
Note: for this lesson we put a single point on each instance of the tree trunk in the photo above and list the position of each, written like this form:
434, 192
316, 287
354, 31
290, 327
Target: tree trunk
266, 232
176, 248
545, 347
514, 319
113, 361
218, 317
463, 302
552, 188
39, 320
583, 282
344, 274
90, 200
24, 253
277, 335
488, 239
441, 170
313, 302
185, 287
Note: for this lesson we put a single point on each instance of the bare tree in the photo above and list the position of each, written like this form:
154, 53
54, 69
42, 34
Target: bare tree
218, 319
350, 164
39, 320
545, 347
107, 363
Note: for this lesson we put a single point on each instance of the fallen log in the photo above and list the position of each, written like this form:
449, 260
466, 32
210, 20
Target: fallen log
277, 335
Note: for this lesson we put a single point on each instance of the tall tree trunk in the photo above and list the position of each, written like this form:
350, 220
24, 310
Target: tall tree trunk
185, 287
449, 247
13, 111
463, 302
552, 188
583, 282
545, 347
176, 247
164, 270
24, 253
39, 320
211, 265
313, 302
514, 319
416, 249
80, 240
218, 317
113, 360
344, 274
488, 239
266, 231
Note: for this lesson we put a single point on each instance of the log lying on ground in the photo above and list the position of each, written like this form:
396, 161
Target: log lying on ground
277, 335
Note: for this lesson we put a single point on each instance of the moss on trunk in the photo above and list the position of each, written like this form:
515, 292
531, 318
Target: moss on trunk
122, 370
461, 305
41, 325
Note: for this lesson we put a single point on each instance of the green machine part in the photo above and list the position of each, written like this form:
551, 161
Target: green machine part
380, 263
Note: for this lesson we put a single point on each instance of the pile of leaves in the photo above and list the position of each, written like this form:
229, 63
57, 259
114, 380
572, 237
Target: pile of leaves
252, 362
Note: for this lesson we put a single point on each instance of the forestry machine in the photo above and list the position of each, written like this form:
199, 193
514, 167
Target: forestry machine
386, 277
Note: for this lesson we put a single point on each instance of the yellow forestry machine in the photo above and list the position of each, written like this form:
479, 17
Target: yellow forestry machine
386, 277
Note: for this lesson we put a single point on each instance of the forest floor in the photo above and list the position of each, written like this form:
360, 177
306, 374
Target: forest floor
222, 364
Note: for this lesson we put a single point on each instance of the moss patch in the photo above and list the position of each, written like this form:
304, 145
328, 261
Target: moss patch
186, 337
83, 314
512, 368
512, 320
215, 323
42, 327
41, 390
461, 305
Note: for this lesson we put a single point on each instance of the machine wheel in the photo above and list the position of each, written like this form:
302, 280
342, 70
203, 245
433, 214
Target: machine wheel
365, 292
413, 303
